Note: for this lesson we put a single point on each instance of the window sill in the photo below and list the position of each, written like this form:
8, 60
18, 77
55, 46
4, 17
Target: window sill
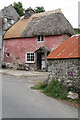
30, 62
39, 41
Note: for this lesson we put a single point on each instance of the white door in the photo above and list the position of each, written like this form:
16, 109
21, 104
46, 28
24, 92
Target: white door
43, 62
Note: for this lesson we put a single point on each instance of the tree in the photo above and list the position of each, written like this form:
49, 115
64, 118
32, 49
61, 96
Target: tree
39, 9
19, 8
77, 30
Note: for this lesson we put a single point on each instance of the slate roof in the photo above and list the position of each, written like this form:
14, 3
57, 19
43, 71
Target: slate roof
10, 17
69, 49
45, 23
10, 13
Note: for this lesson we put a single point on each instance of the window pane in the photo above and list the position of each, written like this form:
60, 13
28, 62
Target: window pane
28, 59
32, 58
28, 54
42, 38
38, 38
32, 54
7, 54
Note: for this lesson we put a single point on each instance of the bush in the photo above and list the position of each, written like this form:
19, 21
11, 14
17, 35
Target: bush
56, 89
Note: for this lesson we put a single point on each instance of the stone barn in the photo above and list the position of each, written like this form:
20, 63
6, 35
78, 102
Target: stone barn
34, 36
64, 62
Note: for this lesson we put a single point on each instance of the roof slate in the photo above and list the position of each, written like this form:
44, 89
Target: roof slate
10, 13
69, 49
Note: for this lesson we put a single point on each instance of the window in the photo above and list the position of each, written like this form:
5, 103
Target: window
7, 54
30, 57
40, 38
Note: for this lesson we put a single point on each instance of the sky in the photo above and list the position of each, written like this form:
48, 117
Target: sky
68, 7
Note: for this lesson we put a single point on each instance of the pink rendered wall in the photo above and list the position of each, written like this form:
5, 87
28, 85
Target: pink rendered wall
18, 47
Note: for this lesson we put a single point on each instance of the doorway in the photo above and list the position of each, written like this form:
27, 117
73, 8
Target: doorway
41, 61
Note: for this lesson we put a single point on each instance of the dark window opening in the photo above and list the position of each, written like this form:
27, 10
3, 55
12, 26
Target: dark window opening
40, 38
7, 54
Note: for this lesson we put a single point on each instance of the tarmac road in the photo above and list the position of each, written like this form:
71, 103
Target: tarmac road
20, 101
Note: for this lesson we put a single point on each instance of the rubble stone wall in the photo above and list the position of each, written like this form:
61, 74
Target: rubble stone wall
65, 71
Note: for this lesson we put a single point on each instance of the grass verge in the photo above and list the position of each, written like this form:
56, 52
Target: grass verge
56, 90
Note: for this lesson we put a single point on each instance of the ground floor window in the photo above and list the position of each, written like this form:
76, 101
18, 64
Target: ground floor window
30, 57
7, 54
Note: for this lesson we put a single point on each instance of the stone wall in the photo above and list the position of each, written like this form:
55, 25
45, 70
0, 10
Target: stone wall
65, 71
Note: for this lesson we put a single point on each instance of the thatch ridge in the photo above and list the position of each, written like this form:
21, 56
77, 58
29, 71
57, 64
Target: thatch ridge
52, 24
47, 13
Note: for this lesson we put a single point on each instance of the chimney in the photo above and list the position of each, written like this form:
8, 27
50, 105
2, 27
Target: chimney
28, 13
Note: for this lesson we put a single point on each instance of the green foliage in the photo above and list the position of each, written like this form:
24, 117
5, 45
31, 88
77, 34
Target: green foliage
4, 6
40, 85
74, 101
74, 89
39, 9
77, 30
19, 8
56, 89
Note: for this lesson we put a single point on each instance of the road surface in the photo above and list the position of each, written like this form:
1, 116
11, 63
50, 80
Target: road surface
20, 101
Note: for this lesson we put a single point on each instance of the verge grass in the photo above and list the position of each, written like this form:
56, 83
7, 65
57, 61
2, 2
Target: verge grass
55, 89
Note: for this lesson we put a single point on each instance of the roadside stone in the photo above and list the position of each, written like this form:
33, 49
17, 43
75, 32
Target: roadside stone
72, 95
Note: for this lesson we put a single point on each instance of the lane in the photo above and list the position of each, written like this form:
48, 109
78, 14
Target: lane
20, 101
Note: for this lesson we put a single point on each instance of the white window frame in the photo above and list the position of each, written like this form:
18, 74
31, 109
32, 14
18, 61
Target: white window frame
40, 38
30, 57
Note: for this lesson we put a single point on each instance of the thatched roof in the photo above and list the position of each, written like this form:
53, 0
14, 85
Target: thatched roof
46, 23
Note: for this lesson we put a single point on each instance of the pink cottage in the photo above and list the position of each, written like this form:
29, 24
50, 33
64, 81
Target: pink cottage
33, 37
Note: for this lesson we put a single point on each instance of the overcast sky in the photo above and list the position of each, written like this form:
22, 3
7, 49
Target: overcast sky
68, 7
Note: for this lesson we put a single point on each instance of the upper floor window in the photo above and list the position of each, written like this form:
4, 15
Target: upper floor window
30, 57
40, 38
